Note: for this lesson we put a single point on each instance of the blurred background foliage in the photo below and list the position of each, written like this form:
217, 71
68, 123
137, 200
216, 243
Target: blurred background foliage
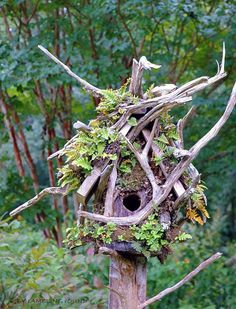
39, 102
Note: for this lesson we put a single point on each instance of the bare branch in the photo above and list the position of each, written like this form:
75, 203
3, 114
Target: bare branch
181, 124
103, 182
137, 74
178, 187
80, 126
215, 130
187, 278
133, 76
38, 197
108, 211
150, 139
222, 67
153, 113
96, 91
143, 161
61, 151
187, 193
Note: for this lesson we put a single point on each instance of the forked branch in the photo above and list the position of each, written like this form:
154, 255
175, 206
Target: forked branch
187, 278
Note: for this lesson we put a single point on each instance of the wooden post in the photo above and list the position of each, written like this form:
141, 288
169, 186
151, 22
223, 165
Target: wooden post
127, 281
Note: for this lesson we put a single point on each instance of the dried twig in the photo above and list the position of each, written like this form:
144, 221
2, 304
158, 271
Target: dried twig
38, 197
181, 124
87, 86
108, 208
187, 193
143, 161
150, 139
80, 126
61, 151
187, 278
103, 182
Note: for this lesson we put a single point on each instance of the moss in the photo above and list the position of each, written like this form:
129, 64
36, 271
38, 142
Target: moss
148, 238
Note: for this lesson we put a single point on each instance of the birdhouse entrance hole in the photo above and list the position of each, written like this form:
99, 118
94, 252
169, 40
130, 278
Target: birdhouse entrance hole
132, 202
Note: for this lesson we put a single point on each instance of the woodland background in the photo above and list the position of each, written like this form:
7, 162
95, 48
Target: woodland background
39, 103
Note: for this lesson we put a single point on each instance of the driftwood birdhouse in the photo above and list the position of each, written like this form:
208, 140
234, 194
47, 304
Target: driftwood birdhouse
133, 178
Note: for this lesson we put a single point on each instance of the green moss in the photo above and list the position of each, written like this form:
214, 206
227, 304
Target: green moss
147, 238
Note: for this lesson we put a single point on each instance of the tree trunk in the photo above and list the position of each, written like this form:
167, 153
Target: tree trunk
127, 282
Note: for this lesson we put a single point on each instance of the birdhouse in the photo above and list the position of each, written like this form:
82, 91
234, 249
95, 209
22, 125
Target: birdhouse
133, 180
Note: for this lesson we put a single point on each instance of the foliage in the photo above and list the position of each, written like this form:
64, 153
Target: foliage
32, 268
198, 206
213, 287
150, 235
147, 238
76, 235
65, 276
86, 147
183, 236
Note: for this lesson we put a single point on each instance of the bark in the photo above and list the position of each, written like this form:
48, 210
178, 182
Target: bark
127, 282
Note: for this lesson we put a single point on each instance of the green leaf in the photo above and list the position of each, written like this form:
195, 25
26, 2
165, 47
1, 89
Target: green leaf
184, 236
100, 148
84, 163
163, 139
157, 160
173, 134
132, 121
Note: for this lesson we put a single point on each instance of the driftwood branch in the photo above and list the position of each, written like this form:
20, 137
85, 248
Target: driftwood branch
103, 182
187, 278
150, 139
38, 197
187, 193
80, 126
137, 74
178, 187
108, 208
107, 251
143, 161
61, 151
181, 124
87, 86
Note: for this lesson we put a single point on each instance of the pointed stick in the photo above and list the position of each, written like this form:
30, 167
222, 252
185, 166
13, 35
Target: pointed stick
87, 86
187, 278
38, 197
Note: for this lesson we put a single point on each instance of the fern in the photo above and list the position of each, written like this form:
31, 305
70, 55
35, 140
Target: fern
183, 236
192, 215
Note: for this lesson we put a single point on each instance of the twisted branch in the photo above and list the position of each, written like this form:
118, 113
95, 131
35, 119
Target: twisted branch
51, 190
187, 278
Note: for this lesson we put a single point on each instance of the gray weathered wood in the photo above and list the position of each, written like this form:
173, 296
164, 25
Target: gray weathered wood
127, 282
88, 184
178, 187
